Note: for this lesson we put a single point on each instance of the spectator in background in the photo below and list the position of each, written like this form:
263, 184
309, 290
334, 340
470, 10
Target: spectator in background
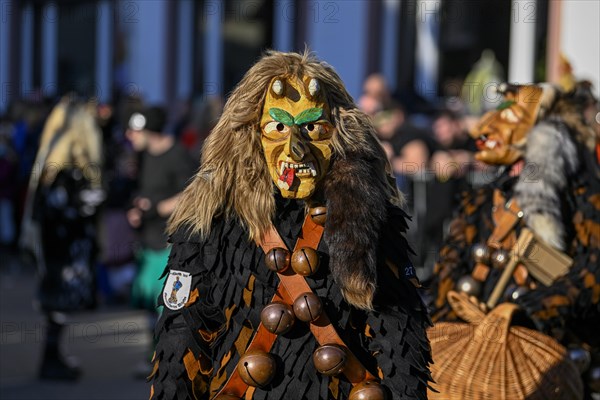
165, 168
386, 114
117, 266
412, 146
407, 146
62, 203
196, 126
455, 149
450, 162
376, 86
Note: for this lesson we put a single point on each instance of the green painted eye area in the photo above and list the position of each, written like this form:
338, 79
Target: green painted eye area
305, 117
504, 105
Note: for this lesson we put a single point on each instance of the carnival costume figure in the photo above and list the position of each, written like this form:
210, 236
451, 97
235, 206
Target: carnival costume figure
60, 223
266, 309
520, 263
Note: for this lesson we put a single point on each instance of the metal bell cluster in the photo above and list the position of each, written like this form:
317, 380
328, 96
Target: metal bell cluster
257, 367
304, 261
331, 359
481, 254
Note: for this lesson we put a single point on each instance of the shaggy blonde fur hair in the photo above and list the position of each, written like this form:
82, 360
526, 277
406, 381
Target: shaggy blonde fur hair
70, 139
234, 178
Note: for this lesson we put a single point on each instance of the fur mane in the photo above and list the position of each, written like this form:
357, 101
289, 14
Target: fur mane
554, 148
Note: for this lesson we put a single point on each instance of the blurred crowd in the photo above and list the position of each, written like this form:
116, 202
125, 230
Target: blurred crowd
430, 151
143, 155
20, 136
85, 193
431, 154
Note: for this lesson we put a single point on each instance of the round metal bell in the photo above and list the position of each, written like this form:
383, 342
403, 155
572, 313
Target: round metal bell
330, 359
469, 285
500, 258
318, 215
580, 357
593, 378
277, 259
277, 317
480, 253
307, 307
368, 390
516, 292
305, 261
256, 368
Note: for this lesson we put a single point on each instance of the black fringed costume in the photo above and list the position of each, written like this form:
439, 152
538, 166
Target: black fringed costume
233, 286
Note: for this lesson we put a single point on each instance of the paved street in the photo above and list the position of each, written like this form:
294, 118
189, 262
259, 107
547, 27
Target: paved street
109, 344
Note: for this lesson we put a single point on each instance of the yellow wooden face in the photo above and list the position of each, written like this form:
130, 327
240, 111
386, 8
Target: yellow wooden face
500, 134
296, 135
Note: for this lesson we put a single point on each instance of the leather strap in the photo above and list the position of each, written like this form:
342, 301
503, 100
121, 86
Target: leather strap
262, 340
506, 215
290, 287
295, 285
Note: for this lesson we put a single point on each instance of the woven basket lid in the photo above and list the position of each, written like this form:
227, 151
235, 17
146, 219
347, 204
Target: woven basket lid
486, 358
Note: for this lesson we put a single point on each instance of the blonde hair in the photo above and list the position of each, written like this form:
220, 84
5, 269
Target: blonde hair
233, 179
70, 139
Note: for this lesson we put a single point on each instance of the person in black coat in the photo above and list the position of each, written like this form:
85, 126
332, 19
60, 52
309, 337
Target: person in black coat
63, 202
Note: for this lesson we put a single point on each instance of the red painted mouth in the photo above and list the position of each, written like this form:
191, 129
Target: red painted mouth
485, 143
287, 176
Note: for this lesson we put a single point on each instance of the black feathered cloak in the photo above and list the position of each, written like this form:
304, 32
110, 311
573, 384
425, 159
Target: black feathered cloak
199, 346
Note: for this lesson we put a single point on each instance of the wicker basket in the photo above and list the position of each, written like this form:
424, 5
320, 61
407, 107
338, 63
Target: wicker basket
486, 358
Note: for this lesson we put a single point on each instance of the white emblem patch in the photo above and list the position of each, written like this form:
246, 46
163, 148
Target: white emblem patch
177, 289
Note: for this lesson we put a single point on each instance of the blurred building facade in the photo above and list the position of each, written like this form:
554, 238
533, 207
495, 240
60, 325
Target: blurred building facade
164, 51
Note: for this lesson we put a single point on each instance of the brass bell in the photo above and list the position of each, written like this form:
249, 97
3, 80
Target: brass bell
277, 259
330, 359
307, 307
277, 317
256, 368
514, 293
500, 258
580, 357
318, 215
368, 390
480, 253
305, 261
469, 285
